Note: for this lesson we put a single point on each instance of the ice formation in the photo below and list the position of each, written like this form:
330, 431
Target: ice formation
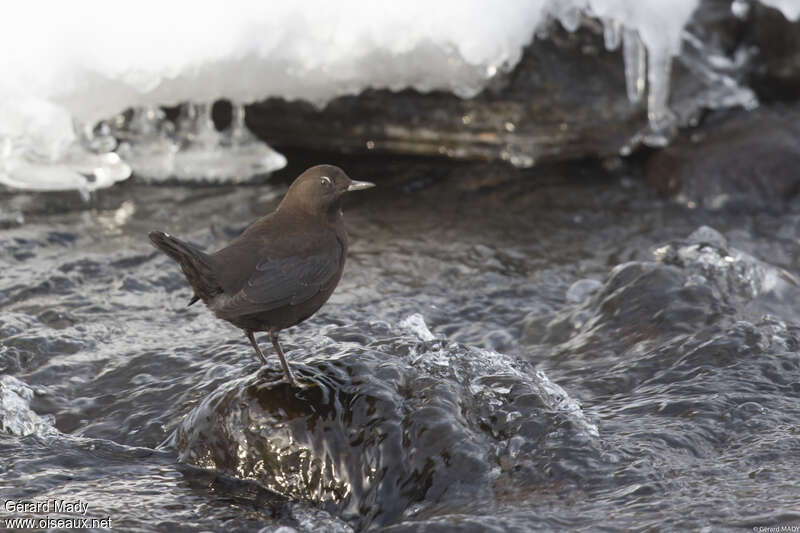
83, 62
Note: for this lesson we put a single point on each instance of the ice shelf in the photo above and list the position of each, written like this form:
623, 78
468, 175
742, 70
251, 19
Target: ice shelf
75, 64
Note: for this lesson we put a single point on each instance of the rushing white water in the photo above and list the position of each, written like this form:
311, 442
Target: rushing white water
78, 63
16, 415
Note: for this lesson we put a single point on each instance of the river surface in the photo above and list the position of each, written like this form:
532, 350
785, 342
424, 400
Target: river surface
552, 349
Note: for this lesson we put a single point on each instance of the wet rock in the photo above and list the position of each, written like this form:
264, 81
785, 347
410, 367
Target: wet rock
732, 274
776, 72
706, 235
391, 428
702, 302
737, 160
640, 301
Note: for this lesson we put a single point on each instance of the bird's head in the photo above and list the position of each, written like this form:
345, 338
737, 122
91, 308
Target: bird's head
319, 189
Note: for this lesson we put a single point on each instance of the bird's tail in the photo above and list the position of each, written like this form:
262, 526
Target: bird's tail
194, 263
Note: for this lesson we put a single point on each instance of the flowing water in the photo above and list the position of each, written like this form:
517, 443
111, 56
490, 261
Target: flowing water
507, 351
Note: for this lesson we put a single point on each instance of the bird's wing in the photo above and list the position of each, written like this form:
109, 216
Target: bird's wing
280, 281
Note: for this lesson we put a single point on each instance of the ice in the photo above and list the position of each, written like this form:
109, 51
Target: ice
635, 56
41, 149
719, 73
612, 33
89, 61
660, 117
147, 143
198, 152
659, 25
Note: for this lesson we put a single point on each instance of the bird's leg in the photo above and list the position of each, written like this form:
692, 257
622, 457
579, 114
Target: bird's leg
255, 345
287, 372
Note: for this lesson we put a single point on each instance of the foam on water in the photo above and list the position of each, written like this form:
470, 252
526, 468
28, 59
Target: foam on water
416, 324
16, 415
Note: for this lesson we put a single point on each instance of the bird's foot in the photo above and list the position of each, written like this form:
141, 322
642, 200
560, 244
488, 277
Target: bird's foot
303, 382
268, 372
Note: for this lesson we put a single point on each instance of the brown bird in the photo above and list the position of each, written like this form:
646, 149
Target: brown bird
282, 268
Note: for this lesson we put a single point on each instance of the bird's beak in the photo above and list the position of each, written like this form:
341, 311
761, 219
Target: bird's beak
359, 185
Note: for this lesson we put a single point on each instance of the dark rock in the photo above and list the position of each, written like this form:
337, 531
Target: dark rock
776, 72
741, 159
698, 304
393, 429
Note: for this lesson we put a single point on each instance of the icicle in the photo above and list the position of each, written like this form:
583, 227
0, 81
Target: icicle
662, 120
612, 34
148, 145
635, 56
238, 129
570, 18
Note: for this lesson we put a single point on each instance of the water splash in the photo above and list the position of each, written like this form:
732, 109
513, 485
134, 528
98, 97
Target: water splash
16, 415
416, 324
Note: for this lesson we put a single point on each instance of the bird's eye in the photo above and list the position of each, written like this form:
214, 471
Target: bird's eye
325, 180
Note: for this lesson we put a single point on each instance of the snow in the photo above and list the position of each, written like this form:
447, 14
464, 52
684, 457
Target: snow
81, 62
